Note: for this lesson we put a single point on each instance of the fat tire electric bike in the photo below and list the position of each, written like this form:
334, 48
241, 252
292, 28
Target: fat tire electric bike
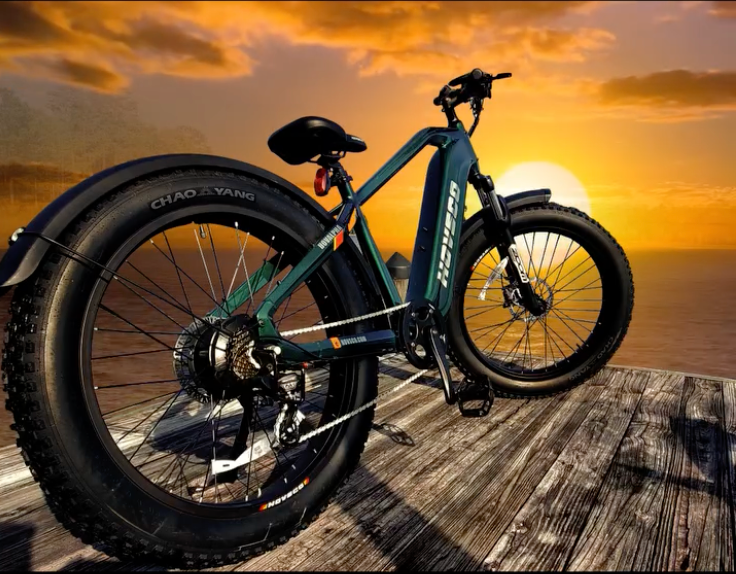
166, 396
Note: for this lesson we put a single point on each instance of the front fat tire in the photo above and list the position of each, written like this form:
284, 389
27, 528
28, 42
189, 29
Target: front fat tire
57, 437
621, 284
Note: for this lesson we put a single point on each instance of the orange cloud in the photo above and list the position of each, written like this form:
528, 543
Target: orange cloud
675, 89
85, 75
723, 9
96, 45
100, 44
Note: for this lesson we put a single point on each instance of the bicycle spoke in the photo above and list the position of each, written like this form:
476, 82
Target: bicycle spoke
579, 338
245, 265
126, 331
551, 339
562, 263
196, 284
481, 312
217, 263
498, 339
578, 321
560, 338
544, 253
144, 401
581, 289
573, 269
165, 381
178, 275
204, 261
486, 327
173, 400
131, 354
114, 314
273, 273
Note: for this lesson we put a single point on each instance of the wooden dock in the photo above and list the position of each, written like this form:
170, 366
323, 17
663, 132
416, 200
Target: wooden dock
635, 470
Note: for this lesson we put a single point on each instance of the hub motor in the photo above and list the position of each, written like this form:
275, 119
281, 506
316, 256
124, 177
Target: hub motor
213, 356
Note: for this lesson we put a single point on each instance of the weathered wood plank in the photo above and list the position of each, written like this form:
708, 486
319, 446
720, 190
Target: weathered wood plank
47, 556
375, 481
729, 408
661, 506
494, 489
550, 484
543, 534
695, 523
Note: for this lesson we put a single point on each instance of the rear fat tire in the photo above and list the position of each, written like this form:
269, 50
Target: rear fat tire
84, 487
615, 272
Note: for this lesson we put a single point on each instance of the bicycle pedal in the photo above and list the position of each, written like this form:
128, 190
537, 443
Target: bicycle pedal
474, 399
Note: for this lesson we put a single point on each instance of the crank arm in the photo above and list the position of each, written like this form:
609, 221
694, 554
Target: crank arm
440, 354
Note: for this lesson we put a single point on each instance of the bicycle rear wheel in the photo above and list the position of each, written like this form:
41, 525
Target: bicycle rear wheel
112, 379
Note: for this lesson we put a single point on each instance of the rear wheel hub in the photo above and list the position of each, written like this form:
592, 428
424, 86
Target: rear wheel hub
213, 357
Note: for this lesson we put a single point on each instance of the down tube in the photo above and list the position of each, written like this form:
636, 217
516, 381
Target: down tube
440, 225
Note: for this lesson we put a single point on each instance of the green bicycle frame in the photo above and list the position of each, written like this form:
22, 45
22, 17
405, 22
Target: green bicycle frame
435, 249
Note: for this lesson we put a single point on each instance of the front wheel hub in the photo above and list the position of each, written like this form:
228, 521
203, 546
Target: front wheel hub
513, 302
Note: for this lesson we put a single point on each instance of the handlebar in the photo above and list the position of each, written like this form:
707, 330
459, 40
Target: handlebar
474, 84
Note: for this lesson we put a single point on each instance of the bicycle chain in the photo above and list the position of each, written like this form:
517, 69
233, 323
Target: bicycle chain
369, 404
345, 321
360, 409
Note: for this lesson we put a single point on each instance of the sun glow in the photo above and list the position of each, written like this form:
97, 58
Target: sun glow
566, 188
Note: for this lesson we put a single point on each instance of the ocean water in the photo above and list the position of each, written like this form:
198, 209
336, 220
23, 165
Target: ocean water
684, 320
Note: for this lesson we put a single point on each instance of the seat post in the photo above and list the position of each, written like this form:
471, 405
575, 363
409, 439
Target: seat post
339, 176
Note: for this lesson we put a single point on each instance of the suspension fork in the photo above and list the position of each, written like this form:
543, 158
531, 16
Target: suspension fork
498, 226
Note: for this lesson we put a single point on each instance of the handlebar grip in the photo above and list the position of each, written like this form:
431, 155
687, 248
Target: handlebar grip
476, 75
502, 75
451, 96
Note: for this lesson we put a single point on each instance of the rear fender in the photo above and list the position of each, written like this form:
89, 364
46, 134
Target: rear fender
27, 251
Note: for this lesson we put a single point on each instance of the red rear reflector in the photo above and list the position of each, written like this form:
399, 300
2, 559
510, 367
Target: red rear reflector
321, 182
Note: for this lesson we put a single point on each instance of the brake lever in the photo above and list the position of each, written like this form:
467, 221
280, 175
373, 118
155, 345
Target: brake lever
442, 95
476, 106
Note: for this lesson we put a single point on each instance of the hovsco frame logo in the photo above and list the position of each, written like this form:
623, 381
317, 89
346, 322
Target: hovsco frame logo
327, 239
192, 193
443, 270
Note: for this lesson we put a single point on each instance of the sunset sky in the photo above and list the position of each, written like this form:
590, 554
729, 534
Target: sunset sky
636, 100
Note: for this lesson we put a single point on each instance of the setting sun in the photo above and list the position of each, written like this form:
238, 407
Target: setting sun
566, 188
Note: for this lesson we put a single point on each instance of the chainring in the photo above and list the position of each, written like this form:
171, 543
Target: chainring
418, 318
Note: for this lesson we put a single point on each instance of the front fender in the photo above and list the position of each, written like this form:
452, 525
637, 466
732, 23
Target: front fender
513, 201
26, 253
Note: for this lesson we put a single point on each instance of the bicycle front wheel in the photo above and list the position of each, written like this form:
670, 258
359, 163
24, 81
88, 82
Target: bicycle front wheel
580, 273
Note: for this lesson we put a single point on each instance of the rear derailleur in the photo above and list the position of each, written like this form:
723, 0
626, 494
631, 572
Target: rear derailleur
425, 345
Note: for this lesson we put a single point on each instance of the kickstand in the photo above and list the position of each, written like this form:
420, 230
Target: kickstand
241, 439
439, 350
